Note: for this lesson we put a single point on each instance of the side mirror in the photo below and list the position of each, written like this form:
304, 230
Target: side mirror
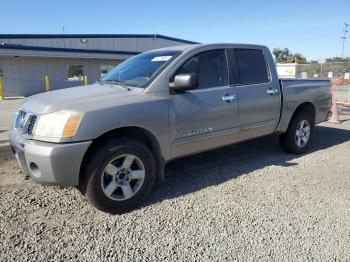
184, 82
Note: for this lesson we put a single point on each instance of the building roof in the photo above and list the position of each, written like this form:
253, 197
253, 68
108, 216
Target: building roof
62, 49
43, 36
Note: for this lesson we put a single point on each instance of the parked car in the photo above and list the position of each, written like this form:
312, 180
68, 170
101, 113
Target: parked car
112, 139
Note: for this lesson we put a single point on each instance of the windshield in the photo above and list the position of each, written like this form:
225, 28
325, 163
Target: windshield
138, 71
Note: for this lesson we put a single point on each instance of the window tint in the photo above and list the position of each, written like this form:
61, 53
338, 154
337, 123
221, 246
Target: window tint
251, 66
210, 67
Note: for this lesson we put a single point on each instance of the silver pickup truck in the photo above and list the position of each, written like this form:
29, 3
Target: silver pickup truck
112, 139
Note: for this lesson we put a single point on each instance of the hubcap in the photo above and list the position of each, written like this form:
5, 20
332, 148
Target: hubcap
302, 134
123, 177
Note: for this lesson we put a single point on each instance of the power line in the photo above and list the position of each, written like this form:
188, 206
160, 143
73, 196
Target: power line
343, 38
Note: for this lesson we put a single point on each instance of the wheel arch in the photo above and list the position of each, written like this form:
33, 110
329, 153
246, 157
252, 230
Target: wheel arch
305, 107
141, 134
287, 138
288, 115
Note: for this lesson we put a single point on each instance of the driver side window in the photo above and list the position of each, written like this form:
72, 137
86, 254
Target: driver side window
210, 68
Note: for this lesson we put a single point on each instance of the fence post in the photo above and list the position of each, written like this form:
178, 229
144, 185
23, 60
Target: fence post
86, 82
1, 87
47, 83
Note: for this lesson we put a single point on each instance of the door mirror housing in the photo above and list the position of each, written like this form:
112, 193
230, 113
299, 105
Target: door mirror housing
184, 82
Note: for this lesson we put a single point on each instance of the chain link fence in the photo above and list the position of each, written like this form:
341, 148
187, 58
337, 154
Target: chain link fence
337, 72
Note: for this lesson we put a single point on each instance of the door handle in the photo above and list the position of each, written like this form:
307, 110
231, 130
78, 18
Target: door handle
229, 98
272, 91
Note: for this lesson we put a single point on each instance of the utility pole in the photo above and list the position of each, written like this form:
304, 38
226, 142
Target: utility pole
343, 38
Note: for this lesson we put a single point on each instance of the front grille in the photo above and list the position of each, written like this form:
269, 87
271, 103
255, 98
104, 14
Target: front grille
31, 123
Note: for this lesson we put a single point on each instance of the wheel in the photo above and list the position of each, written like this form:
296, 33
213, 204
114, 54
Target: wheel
298, 137
118, 175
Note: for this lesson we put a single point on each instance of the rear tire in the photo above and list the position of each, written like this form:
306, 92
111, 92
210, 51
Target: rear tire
298, 138
119, 175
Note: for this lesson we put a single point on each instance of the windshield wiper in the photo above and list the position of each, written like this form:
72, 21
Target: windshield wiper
115, 82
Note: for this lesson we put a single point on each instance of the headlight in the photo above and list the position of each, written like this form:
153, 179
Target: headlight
60, 124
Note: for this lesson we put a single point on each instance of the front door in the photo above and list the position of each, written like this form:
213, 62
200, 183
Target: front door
207, 117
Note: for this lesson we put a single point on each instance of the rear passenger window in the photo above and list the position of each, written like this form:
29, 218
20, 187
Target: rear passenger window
251, 66
210, 67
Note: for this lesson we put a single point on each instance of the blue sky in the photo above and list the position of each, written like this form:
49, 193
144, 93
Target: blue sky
310, 27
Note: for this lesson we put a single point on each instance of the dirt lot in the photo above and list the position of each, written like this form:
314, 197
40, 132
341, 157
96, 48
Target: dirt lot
243, 202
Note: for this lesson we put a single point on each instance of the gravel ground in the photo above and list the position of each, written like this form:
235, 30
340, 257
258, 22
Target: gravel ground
243, 202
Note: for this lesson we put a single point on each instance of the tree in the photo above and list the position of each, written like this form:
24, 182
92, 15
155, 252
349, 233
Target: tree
299, 58
281, 55
337, 59
285, 56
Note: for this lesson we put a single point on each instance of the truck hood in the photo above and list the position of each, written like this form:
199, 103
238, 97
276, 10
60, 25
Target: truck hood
81, 98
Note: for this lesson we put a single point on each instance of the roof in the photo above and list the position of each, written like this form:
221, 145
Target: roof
43, 36
63, 49
219, 45
175, 48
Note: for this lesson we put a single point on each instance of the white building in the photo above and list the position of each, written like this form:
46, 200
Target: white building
286, 70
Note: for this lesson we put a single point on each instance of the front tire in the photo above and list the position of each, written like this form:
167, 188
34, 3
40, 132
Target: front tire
119, 175
298, 138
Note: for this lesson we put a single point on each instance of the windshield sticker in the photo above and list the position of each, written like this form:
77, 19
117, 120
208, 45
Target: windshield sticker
161, 58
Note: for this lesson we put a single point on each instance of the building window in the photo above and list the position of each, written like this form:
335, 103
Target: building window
104, 69
75, 72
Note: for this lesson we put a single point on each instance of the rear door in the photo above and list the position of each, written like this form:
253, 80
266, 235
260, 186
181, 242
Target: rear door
207, 117
258, 95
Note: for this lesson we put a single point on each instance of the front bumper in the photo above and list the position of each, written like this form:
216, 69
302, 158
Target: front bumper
49, 163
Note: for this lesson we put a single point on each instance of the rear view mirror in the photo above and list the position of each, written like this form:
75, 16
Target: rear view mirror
184, 82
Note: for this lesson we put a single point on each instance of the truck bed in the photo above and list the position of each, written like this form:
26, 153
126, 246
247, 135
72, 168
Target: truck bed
298, 91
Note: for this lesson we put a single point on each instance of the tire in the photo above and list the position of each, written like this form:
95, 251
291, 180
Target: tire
295, 142
118, 175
